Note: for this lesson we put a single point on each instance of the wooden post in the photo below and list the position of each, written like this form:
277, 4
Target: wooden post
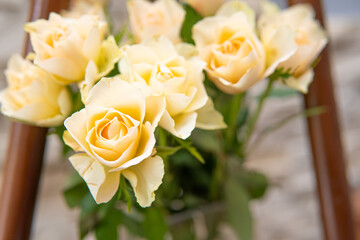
329, 162
24, 158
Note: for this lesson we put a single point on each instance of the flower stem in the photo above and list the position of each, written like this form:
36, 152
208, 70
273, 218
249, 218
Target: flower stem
254, 118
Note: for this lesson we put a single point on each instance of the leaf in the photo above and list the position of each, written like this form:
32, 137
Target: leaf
114, 71
310, 112
191, 149
281, 74
166, 151
132, 225
127, 198
237, 209
255, 183
206, 140
191, 18
154, 225
107, 228
75, 190
88, 215
195, 153
282, 93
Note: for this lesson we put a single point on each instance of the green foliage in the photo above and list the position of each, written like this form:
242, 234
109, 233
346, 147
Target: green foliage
113, 72
75, 190
255, 183
237, 209
282, 92
281, 74
154, 225
191, 18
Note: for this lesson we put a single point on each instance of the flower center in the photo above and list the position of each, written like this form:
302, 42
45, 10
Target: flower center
163, 73
302, 38
155, 18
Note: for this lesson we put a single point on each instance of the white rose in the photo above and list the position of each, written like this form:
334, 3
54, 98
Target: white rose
205, 7
114, 134
64, 46
293, 39
159, 70
33, 96
162, 17
234, 56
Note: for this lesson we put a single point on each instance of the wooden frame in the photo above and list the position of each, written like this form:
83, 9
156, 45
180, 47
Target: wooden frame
26, 147
329, 163
24, 157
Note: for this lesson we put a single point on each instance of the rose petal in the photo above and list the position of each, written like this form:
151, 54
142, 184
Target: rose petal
145, 178
102, 183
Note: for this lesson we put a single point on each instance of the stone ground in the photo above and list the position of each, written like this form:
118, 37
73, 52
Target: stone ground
289, 210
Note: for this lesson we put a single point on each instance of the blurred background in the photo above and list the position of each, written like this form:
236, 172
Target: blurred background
289, 211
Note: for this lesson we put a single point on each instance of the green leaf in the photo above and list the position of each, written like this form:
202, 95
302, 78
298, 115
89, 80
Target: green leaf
166, 151
120, 34
191, 149
133, 225
310, 112
154, 225
255, 183
282, 93
114, 72
107, 228
206, 140
191, 18
237, 209
196, 154
127, 198
88, 215
75, 190
281, 74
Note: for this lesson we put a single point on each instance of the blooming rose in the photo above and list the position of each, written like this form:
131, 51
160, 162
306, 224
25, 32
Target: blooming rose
205, 7
234, 56
162, 17
33, 96
88, 7
292, 39
64, 46
114, 134
159, 70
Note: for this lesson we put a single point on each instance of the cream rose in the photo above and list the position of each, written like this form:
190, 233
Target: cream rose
234, 56
64, 46
33, 96
205, 7
293, 39
159, 70
114, 134
86, 7
162, 17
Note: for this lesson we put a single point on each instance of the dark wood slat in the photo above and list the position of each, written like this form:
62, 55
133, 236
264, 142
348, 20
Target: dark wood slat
24, 158
329, 162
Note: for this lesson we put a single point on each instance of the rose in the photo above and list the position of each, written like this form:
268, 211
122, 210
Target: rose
162, 17
227, 42
64, 46
158, 69
205, 7
292, 39
88, 7
114, 134
33, 96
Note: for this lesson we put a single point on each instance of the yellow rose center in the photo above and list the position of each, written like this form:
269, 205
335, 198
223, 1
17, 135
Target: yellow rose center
302, 38
57, 36
155, 18
112, 134
163, 73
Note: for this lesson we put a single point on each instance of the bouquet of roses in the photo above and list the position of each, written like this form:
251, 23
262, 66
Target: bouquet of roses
164, 104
